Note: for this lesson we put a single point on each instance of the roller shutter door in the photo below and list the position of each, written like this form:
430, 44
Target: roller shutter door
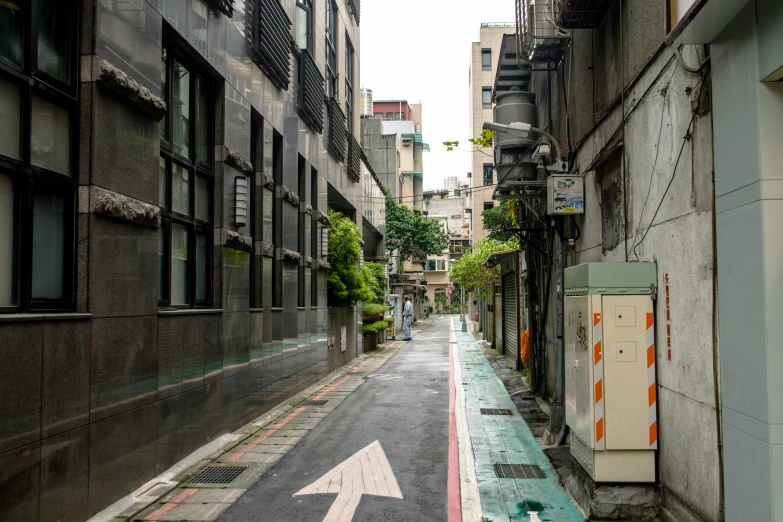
510, 328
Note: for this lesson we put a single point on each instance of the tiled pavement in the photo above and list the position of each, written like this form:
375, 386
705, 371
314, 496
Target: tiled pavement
257, 446
505, 439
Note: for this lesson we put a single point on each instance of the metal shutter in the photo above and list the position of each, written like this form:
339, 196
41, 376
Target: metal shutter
510, 329
499, 341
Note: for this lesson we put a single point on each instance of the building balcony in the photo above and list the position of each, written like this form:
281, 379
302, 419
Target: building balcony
337, 142
271, 41
311, 92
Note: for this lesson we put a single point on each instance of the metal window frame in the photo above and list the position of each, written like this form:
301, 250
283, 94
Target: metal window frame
28, 178
486, 52
484, 104
488, 168
195, 226
331, 49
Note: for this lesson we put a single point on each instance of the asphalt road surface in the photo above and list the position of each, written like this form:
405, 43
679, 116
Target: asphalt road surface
405, 407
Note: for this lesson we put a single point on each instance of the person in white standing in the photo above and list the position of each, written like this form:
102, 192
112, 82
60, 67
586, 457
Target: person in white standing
407, 319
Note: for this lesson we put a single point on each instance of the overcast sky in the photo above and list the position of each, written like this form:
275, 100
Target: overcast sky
419, 50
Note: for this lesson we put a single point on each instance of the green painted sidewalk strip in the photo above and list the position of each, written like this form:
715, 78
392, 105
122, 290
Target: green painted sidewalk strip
505, 439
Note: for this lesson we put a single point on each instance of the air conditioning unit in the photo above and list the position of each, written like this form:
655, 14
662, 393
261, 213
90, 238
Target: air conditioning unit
545, 41
407, 141
611, 386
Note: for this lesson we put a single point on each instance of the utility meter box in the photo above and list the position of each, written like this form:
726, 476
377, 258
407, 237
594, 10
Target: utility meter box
565, 194
610, 369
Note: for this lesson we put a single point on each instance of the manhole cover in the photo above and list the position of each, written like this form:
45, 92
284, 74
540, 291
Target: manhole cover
218, 475
319, 402
495, 411
519, 471
384, 376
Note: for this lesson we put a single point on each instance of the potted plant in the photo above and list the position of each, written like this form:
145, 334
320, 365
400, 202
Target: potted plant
373, 324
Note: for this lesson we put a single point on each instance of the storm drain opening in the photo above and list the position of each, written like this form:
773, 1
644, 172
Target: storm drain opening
519, 471
495, 411
319, 402
218, 475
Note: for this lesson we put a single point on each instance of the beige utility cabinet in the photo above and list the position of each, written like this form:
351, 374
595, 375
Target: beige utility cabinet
610, 370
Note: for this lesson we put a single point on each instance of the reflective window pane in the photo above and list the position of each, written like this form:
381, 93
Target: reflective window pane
202, 198
10, 114
50, 139
308, 242
180, 110
202, 267
161, 263
180, 189
290, 227
162, 184
302, 23
290, 286
48, 246
54, 38
268, 208
7, 243
202, 122
12, 17
266, 282
179, 265
164, 91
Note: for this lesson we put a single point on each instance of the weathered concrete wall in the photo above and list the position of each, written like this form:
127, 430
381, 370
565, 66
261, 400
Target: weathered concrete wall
341, 350
624, 186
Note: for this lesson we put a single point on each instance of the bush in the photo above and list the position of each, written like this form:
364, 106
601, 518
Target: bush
376, 327
347, 281
372, 312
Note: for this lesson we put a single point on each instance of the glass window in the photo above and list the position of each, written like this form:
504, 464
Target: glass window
163, 189
486, 97
308, 241
7, 242
304, 9
12, 18
50, 139
290, 227
48, 248
202, 267
202, 198
486, 59
488, 205
163, 89
349, 63
203, 128
290, 286
268, 209
488, 175
185, 245
180, 189
331, 49
10, 115
54, 38
180, 110
266, 282
179, 265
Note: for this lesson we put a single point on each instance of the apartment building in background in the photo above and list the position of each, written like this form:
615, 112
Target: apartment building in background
448, 206
166, 169
483, 63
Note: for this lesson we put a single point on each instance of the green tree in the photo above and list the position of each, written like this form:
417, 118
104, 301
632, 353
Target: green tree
410, 234
375, 274
496, 220
470, 272
347, 281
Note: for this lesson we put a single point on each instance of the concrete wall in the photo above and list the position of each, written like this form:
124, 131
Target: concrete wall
748, 123
623, 187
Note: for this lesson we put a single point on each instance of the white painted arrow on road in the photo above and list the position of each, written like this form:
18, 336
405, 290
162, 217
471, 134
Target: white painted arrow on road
367, 472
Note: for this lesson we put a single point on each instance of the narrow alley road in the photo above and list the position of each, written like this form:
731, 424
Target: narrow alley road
404, 406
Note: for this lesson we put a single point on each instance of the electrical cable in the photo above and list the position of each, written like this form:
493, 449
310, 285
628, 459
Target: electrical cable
674, 174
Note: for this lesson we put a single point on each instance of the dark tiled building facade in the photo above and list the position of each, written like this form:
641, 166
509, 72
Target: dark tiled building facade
165, 173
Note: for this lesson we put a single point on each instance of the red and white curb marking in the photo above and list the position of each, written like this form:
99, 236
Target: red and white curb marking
651, 384
598, 379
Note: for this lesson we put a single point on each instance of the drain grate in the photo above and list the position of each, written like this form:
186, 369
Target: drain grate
519, 471
218, 475
495, 411
319, 402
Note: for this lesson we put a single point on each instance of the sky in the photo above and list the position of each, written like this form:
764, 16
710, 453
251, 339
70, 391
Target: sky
419, 50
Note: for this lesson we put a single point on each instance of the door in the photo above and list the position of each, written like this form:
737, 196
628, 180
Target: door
510, 327
625, 371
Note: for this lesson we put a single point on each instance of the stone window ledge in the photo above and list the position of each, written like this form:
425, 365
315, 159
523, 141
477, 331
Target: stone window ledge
189, 311
13, 318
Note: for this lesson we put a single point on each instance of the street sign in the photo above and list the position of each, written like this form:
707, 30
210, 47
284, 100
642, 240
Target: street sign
367, 472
